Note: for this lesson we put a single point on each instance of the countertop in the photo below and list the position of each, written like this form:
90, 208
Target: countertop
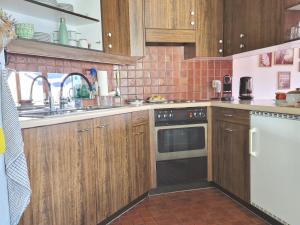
257, 105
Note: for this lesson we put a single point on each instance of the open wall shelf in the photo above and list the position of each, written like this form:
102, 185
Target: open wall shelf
45, 49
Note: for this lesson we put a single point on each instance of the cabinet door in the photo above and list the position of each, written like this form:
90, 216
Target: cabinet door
234, 26
240, 172
140, 160
185, 13
60, 164
291, 3
111, 139
154, 9
115, 25
170, 14
209, 33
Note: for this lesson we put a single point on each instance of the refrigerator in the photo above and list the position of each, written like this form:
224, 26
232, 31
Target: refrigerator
275, 165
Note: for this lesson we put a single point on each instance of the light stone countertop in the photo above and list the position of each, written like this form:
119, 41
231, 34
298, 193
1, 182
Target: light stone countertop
257, 105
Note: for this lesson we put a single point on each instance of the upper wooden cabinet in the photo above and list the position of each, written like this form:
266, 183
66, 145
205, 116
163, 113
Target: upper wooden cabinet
170, 14
209, 33
252, 24
291, 3
123, 27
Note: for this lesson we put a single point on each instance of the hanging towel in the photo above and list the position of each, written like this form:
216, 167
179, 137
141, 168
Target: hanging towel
19, 191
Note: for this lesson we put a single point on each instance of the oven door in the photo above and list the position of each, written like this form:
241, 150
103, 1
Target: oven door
181, 141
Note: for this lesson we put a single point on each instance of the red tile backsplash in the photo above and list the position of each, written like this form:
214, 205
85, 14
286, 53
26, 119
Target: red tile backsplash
161, 72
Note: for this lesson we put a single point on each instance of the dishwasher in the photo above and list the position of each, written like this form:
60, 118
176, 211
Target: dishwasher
275, 165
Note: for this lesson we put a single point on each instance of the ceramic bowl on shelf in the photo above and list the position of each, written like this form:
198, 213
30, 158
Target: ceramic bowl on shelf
49, 2
41, 36
24, 30
65, 6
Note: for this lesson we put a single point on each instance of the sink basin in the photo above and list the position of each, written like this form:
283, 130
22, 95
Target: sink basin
42, 113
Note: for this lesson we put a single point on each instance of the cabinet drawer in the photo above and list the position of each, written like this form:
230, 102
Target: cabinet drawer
232, 115
140, 117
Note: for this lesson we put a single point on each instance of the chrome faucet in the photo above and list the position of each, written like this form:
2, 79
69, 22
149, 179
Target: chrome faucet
50, 98
62, 101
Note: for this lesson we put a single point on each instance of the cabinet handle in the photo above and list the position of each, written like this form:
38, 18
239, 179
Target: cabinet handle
192, 13
220, 41
242, 35
220, 50
251, 134
83, 130
102, 126
242, 46
110, 46
109, 34
228, 115
193, 23
228, 130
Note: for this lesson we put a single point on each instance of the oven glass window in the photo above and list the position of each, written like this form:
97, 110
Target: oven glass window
181, 139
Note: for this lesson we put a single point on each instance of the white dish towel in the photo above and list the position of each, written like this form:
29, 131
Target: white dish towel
18, 185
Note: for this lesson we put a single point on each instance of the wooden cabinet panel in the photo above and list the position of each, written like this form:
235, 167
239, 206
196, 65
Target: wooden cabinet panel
154, 9
112, 143
250, 24
139, 163
122, 23
177, 14
209, 33
184, 14
61, 169
231, 160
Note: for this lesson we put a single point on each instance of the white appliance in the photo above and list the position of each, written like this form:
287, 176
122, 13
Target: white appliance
275, 165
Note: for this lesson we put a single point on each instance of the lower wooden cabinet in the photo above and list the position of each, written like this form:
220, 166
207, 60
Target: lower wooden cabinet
231, 160
139, 160
62, 175
83, 172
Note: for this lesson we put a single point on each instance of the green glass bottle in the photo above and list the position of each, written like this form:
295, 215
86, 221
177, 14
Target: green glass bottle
63, 32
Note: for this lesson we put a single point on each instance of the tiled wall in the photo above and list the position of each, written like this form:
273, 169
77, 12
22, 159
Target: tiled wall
162, 72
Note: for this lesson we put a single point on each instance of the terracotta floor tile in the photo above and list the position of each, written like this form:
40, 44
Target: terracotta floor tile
199, 207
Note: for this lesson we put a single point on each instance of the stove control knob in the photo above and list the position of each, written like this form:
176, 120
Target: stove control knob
158, 116
165, 115
170, 115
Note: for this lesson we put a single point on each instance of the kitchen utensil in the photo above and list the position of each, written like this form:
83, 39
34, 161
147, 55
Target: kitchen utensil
73, 35
293, 97
73, 43
25, 30
246, 88
83, 43
41, 36
135, 102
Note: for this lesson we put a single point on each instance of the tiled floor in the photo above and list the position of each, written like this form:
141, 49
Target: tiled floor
200, 207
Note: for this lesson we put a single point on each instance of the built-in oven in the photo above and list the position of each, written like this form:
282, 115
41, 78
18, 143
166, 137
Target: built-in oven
181, 146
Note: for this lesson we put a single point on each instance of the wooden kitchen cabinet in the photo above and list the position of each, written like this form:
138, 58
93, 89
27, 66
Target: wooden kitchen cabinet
112, 145
291, 3
209, 32
139, 160
170, 14
123, 27
250, 24
231, 160
61, 170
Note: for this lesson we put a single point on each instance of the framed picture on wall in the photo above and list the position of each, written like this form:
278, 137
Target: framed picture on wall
265, 60
284, 57
284, 80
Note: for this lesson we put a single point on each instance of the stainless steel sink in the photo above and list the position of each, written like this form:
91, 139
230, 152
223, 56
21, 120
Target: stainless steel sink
45, 112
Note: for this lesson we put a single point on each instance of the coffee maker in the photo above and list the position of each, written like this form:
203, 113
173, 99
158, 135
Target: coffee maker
246, 88
227, 88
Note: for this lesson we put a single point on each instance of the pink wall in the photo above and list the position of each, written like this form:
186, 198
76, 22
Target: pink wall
264, 79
